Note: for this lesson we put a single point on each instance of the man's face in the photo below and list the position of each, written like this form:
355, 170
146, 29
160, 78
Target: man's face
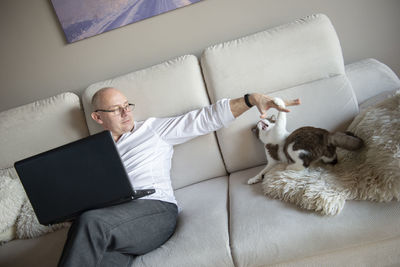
112, 99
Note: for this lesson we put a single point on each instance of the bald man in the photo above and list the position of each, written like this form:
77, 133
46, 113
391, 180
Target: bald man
112, 236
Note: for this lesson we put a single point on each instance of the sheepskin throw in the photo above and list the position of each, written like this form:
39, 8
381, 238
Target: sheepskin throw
11, 199
16, 210
372, 173
28, 225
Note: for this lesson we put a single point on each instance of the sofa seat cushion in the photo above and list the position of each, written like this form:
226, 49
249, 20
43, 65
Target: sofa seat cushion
43, 251
201, 236
266, 231
384, 253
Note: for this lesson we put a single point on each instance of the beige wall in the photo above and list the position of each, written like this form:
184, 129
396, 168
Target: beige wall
36, 61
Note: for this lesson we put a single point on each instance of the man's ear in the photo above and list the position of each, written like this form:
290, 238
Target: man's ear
96, 117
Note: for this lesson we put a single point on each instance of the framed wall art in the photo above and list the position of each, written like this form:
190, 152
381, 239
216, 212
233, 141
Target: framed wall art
81, 19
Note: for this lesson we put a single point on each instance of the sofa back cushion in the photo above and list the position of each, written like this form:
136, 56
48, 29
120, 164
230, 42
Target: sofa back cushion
169, 89
302, 60
40, 126
288, 55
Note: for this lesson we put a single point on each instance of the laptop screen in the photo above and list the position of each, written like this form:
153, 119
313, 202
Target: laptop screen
65, 181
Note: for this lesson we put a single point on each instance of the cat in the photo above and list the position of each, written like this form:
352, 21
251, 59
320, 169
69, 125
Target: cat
301, 147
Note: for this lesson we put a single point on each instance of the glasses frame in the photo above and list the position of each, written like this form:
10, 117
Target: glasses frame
118, 111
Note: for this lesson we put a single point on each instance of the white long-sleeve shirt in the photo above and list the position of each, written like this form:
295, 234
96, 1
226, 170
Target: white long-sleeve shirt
147, 150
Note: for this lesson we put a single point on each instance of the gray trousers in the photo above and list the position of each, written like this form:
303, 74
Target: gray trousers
112, 236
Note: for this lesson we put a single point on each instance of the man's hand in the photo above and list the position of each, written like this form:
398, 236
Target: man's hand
264, 103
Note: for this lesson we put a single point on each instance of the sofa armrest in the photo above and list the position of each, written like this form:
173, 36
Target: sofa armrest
369, 78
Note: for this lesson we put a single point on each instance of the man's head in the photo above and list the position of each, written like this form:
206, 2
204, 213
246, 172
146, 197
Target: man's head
112, 111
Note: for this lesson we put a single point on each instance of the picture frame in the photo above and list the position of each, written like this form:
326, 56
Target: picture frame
82, 19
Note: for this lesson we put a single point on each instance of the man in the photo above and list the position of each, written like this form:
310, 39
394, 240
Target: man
111, 236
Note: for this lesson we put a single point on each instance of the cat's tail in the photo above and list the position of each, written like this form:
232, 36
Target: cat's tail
346, 140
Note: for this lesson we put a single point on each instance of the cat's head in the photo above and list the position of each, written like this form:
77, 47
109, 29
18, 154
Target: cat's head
264, 125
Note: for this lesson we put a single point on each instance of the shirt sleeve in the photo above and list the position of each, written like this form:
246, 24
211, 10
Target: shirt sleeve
177, 130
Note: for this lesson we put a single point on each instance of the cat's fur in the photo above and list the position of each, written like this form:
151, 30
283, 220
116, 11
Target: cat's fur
301, 147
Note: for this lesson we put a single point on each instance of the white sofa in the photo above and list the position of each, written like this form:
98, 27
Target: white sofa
224, 221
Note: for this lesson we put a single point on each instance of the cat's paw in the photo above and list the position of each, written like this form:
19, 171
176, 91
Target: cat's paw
254, 180
279, 102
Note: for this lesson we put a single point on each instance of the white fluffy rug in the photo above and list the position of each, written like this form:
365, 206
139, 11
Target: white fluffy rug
11, 199
372, 173
28, 226
16, 210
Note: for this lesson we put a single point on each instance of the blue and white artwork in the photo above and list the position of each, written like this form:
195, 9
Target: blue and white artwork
81, 19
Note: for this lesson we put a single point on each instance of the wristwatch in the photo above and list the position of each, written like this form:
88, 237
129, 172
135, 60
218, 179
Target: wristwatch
246, 99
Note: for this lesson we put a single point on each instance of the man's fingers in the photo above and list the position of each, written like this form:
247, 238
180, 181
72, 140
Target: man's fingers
271, 104
280, 108
293, 102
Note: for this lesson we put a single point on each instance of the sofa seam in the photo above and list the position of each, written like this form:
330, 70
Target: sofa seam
206, 87
230, 221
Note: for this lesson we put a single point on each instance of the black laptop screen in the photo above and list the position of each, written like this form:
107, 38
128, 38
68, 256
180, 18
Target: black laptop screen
70, 179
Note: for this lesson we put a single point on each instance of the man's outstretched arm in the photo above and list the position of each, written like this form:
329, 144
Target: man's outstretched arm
262, 102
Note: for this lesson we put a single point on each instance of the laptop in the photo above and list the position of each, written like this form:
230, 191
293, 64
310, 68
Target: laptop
66, 181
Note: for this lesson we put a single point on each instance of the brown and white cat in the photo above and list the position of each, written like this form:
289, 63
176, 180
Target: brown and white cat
301, 147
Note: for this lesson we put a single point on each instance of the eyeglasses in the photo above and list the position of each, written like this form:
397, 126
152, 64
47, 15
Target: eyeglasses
117, 111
